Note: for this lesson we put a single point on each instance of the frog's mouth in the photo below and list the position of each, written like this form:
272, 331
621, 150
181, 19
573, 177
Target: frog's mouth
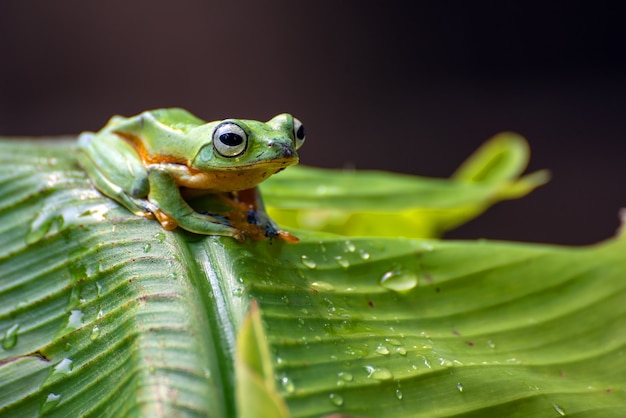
234, 179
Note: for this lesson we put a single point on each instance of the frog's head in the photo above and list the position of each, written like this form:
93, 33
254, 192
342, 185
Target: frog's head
236, 144
250, 149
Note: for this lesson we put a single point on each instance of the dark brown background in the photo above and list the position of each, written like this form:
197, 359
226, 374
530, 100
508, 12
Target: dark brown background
411, 86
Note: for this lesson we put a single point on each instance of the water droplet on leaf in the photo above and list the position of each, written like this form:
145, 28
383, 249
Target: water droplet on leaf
345, 376
308, 262
10, 337
398, 281
381, 349
63, 367
378, 373
559, 410
399, 394
51, 401
95, 333
76, 319
287, 384
336, 399
324, 286
342, 262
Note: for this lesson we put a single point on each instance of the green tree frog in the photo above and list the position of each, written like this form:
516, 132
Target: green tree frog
154, 162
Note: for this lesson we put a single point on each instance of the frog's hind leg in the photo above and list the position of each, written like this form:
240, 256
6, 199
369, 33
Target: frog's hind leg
115, 169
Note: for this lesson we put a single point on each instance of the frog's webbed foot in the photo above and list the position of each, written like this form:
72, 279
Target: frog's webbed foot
249, 214
258, 225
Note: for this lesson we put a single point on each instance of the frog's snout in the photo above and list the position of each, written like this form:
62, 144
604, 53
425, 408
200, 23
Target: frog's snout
286, 150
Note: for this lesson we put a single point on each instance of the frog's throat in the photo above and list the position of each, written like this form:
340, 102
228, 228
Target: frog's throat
242, 178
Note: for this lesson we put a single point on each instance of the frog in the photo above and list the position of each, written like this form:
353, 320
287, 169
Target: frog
155, 162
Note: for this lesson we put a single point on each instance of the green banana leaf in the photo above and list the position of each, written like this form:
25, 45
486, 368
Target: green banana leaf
105, 314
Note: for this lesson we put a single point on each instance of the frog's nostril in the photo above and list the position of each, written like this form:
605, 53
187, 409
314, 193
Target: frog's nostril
287, 151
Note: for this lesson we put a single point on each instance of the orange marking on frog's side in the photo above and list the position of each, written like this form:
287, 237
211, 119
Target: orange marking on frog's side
146, 156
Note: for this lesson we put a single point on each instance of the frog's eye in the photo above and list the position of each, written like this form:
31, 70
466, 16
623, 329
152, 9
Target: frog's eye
299, 133
229, 139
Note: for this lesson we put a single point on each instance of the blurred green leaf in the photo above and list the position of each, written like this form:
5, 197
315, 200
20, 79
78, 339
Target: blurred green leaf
372, 203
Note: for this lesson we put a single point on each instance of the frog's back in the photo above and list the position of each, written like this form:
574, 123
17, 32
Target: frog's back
173, 118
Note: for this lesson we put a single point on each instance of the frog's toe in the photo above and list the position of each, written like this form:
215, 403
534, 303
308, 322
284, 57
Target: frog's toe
239, 235
271, 230
252, 217
288, 237
166, 222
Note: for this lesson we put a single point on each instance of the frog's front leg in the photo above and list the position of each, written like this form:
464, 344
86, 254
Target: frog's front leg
172, 210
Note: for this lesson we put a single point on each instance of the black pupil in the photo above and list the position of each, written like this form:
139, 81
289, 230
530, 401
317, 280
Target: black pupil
231, 139
301, 133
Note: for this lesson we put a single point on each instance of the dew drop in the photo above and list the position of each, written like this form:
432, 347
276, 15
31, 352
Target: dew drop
459, 387
345, 376
287, 384
21, 304
308, 262
401, 351
350, 247
364, 255
323, 286
51, 401
342, 262
445, 362
75, 298
491, 344
98, 289
237, 292
381, 349
160, 236
10, 337
63, 367
559, 410
76, 319
394, 341
399, 394
95, 333
378, 373
336, 399
147, 248
398, 281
